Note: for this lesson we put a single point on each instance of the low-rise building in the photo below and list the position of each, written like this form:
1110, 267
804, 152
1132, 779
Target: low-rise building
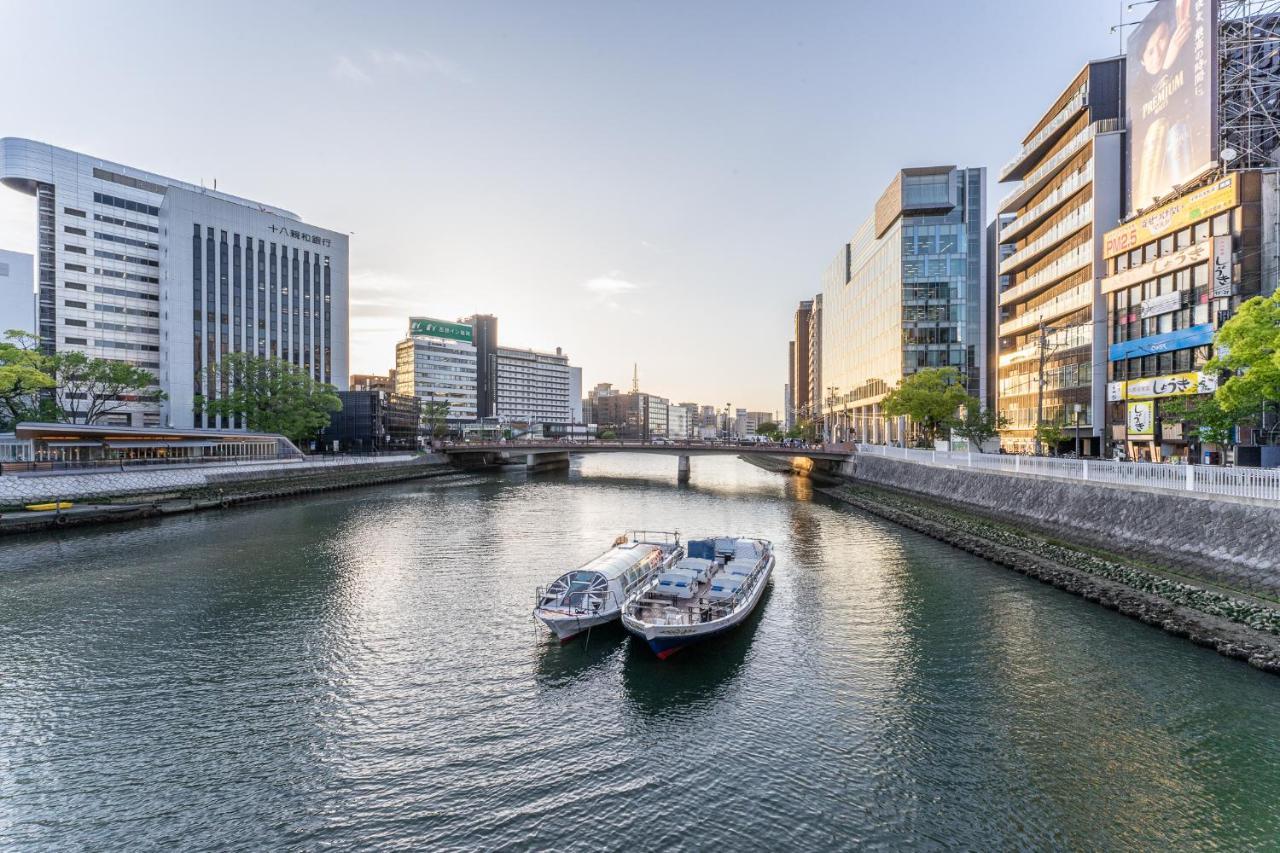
374, 420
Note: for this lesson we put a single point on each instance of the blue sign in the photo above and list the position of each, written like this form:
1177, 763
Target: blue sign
1194, 336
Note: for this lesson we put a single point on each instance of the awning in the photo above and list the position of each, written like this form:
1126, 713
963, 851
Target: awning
134, 445
72, 443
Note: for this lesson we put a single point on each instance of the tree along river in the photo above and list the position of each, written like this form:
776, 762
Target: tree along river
361, 668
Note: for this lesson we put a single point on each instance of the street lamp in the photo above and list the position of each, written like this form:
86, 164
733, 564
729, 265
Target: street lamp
1078, 408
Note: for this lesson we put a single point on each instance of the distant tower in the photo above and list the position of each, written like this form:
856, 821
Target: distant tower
635, 378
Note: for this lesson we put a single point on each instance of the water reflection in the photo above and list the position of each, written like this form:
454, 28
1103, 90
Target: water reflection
693, 678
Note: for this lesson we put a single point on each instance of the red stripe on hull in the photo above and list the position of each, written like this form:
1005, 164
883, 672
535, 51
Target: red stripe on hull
666, 653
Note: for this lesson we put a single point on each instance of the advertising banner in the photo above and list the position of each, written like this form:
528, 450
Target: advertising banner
1163, 304
1193, 336
440, 329
1141, 419
1172, 385
1177, 214
1222, 282
1153, 269
1171, 90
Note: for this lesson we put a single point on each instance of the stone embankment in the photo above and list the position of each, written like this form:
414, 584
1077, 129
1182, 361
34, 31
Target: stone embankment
122, 496
1238, 626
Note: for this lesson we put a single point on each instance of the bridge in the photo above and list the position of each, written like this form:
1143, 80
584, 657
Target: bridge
551, 454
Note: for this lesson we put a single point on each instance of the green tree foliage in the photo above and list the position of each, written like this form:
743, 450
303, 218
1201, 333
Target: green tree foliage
607, 435
23, 378
435, 415
1249, 345
804, 429
89, 389
1209, 418
1051, 434
930, 397
769, 430
979, 424
272, 395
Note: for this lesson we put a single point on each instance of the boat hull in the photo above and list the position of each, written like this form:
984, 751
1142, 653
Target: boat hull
567, 626
666, 640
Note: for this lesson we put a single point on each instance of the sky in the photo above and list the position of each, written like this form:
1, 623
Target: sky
654, 184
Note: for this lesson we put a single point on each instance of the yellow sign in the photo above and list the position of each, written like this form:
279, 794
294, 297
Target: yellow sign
1179, 213
1174, 384
1142, 419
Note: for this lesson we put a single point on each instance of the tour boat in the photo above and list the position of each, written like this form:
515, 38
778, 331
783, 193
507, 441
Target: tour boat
712, 589
593, 594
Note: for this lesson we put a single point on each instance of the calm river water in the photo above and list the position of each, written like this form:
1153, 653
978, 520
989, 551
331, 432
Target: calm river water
361, 670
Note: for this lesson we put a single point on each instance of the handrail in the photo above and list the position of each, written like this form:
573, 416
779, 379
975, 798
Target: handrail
1071, 262
1032, 182
1061, 193
1070, 224
1079, 102
1073, 300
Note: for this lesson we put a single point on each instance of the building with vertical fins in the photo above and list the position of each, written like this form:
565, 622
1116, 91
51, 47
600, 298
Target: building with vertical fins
171, 277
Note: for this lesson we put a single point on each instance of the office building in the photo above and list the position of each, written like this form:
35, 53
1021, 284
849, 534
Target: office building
816, 393
788, 397
534, 387
801, 370
136, 267
678, 424
904, 294
437, 364
1069, 192
484, 337
373, 382
373, 420
17, 292
634, 415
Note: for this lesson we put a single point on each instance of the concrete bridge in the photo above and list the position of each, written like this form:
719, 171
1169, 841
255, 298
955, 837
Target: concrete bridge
539, 455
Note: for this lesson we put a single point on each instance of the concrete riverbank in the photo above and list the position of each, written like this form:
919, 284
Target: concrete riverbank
1236, 625
106, 497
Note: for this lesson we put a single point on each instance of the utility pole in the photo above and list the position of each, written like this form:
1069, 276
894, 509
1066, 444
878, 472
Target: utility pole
1045, 350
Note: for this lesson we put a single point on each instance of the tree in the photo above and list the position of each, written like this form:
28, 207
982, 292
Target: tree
979, 424
930, 397
1249, 345
88, 389
271, 395
769, 430
1050, 434
435, 414
23, 379
1209, 418
607, 435
804, 429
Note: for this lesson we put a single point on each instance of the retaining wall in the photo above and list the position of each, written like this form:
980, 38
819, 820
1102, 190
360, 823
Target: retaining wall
1225, 541
101, 485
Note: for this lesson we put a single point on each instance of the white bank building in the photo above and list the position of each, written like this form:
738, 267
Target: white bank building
169, 276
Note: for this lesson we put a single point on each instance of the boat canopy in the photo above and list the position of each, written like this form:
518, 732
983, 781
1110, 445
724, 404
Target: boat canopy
617, 561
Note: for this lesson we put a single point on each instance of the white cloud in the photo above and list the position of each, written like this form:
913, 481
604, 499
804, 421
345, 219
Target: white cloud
345, 69
610, 289
382, 63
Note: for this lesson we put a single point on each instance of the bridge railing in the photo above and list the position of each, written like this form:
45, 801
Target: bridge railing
1257, 483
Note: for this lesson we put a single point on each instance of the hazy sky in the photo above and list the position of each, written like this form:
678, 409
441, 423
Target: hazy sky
634, 182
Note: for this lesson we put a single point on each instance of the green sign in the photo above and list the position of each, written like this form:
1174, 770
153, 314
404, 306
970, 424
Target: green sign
439, 329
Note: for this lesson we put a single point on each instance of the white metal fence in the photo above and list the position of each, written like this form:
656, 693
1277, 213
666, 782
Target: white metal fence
1259, 483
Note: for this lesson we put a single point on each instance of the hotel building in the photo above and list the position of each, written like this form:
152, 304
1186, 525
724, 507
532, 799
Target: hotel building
903, 294
437, 364
1052, 342
536, 387
136, 267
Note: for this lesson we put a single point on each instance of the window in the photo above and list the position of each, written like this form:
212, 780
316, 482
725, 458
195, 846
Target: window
77, 341
69, 322
71, 211
79, 232
72, 303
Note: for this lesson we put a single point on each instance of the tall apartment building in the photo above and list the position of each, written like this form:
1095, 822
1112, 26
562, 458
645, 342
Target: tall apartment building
534, 387
437, 364
1052, 339
903, 294
788, 398
168, 276
17, 292
817, 394
801, 371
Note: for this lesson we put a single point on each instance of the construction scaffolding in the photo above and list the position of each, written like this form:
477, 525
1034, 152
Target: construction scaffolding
1249, 82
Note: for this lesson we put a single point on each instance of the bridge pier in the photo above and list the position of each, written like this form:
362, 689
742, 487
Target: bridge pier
546, 461
682, 469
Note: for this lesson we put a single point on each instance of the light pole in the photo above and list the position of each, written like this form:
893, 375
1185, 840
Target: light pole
1078, 407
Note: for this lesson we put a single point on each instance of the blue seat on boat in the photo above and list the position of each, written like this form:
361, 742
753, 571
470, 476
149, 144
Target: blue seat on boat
701, 568
738, 569
679, 584
724, 586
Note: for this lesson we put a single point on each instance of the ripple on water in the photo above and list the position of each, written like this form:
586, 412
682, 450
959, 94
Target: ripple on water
361, 670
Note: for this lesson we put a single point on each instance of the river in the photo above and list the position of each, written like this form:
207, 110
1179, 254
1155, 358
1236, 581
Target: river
361, 669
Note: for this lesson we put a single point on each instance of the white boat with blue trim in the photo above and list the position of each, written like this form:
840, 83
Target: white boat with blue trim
712, 589
594, 593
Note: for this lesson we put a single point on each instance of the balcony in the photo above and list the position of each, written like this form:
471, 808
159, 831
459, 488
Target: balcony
1048, 205
1070, 225
1073, 261
1037, 179
1073, 300
1049, 134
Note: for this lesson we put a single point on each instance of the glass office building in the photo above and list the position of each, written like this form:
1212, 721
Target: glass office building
905, 293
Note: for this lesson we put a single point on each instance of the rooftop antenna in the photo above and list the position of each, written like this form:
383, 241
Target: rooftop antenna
635, 378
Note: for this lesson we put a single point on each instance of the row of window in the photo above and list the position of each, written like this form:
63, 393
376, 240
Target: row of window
1162, 364
128, 241
125, 204
124, 223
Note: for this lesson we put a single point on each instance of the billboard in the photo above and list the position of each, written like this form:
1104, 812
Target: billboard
1171, 95
440, 329
1178, 214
